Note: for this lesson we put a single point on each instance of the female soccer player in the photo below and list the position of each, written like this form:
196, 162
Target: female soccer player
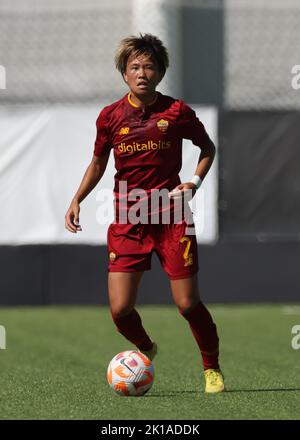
145, 130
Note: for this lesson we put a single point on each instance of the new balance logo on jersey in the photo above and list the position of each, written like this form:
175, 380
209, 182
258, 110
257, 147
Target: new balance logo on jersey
124, 130
150, 145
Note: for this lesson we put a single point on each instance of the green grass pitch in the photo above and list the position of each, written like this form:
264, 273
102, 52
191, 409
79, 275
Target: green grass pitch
54, 366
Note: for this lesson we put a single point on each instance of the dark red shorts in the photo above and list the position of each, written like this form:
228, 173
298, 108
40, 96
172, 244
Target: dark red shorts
130, 248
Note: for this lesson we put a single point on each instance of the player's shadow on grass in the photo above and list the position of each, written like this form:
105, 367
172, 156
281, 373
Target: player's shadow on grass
196, 392
262, 390
172, 393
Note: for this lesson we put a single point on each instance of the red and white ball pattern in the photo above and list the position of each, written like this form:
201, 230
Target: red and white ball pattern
130, 373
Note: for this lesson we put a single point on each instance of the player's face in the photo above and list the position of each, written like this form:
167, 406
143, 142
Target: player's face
142, 75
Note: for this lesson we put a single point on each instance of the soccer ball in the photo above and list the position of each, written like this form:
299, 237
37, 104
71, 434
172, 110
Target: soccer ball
130, 373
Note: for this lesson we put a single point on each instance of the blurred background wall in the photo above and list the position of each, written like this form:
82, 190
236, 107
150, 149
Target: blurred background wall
235, 61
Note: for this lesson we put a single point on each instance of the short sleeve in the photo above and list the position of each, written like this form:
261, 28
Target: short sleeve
102, 142
190, 127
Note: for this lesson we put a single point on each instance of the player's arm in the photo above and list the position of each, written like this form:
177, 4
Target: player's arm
91, 177
206, 159
191, 128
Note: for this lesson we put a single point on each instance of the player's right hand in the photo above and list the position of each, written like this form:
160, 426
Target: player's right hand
72, 218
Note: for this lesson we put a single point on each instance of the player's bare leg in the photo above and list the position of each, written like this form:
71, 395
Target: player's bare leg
123, 289
186, 296
185, 293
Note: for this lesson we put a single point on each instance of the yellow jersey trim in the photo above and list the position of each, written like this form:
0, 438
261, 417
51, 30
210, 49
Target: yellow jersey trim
130, 101
137, 106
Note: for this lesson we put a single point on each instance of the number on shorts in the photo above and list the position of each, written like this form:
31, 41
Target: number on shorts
188, 257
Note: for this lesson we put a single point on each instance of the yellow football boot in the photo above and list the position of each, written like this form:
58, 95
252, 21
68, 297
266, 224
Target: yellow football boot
214, 381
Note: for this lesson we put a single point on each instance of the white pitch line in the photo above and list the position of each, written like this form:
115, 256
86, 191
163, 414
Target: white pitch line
291, 310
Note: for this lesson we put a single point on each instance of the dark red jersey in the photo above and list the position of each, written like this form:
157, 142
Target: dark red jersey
147, 141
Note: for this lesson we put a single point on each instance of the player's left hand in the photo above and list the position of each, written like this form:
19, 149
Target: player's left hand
186, 190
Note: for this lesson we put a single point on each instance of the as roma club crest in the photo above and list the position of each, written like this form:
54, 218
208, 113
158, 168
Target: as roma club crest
112, 256
162, 125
